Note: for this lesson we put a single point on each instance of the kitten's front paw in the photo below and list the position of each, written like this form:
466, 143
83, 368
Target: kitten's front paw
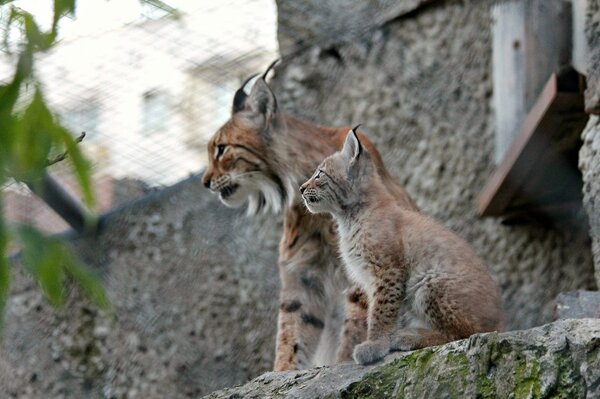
371, 351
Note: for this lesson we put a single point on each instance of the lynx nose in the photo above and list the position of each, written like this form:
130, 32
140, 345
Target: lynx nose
302, 188
206, 179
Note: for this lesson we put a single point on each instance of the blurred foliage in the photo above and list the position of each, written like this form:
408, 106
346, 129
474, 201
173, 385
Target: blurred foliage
30, 133
161, 5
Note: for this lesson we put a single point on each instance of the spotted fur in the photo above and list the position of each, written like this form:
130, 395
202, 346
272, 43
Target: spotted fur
260, 157
425, 285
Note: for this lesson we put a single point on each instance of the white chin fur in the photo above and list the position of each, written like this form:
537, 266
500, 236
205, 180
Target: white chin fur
266, 198
232, 202
262, 194
237, 199
312, 207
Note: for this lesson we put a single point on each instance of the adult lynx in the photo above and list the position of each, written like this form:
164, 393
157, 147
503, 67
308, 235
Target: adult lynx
425, 285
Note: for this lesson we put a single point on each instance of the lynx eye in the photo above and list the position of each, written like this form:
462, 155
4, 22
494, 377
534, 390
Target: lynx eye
319, 172
219, 150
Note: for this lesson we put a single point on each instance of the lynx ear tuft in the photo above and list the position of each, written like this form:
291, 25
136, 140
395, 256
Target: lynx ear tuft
352, 147
264, 76
239, 100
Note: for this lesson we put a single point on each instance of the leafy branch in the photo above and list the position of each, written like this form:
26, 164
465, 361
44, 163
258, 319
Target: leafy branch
30, 133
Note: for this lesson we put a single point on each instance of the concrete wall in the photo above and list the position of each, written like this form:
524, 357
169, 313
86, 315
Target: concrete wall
194, 288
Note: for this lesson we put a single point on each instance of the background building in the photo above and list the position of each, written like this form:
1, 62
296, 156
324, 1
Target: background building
147, 87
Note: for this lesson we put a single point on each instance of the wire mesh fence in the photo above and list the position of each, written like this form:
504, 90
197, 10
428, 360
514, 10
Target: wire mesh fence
146, 85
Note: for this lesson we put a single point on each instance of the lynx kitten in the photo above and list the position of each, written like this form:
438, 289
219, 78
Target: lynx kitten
425, 285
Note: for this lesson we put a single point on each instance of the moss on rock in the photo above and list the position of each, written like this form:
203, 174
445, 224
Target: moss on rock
558, 360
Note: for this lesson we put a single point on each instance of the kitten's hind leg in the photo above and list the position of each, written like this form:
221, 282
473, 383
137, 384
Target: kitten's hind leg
354, 330
416, 338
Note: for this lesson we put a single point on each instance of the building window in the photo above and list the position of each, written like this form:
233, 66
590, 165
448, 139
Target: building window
83, 119
155, 112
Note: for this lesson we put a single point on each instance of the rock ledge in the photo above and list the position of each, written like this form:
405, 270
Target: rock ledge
561, 359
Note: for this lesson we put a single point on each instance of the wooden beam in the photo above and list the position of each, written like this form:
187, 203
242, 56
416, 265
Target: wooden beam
538, 140
531, 40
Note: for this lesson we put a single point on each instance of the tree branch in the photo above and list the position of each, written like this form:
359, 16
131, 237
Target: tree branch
61, 157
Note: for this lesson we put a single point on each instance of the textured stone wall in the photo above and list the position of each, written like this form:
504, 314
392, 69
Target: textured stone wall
592, 31
194, 288
421, 87
328, 22
589, 156
589, 163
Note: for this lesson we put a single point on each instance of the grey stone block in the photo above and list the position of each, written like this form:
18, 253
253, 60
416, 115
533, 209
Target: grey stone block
578, 305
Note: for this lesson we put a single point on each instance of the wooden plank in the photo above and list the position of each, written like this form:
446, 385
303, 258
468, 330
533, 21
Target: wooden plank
581, 51
531, 40
541, 144
508, 73
504, 182
547, 43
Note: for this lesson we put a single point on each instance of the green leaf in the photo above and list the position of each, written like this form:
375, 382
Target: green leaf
8, 98
33, 133
61, 8
81, 166
38, 131
36, 39
4, 266
49, 261
88, 281
161, 5
42, 257
50, 274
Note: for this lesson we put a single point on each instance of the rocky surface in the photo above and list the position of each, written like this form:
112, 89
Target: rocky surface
194, 289
578, 305
300, 23
560, 360
592, 29
589, 155
589, 164
421, 87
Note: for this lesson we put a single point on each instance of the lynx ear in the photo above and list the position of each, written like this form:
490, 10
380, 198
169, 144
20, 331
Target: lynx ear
352, 147
258, 103
262, 100
241, 95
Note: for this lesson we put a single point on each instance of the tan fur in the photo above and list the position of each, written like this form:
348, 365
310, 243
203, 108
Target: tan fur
425, 285
267, 148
